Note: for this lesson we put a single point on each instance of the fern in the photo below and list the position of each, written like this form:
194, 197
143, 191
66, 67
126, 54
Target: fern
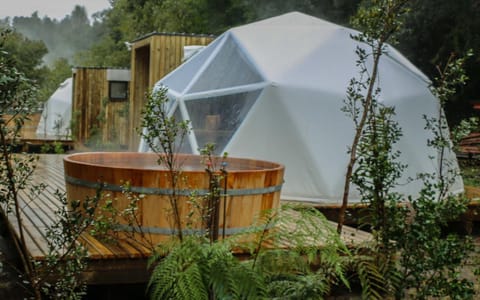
305, 256
312, 286
301, 257
198, 269
177, 275
370, 278
190, 284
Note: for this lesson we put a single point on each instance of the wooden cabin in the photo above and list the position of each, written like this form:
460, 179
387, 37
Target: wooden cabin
154, 56
100, 107
102, 116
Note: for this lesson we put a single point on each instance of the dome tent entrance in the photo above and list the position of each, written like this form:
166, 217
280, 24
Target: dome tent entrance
274, 90
57, 113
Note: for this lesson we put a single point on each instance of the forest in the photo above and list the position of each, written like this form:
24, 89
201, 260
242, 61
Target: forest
46, 49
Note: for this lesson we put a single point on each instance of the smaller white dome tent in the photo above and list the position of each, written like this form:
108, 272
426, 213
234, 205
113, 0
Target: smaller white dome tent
274, 90
57, 113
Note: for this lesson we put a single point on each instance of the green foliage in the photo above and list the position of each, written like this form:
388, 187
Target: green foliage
16, 100
27, 55
430, 261
165, 136
209, 206
116, 27
450, 77
189, 16
198, 269
429, 38
104, 226
379, 20
163, 133
376, 272
305, 270
462, 130
57, 276
110, 219
56, 147
336, 11
44, 48
378, 171
427, 262
64, 37
129, 20
107, 52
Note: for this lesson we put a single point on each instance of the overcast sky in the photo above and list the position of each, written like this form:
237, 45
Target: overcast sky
55, 9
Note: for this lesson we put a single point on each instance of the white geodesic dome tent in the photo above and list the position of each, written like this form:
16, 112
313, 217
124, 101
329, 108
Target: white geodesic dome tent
57, 113
274, 90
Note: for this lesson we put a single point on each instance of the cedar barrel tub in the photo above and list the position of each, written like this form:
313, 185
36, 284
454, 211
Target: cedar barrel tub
252, 186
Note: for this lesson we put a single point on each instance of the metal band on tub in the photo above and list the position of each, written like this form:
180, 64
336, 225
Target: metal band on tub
164, 191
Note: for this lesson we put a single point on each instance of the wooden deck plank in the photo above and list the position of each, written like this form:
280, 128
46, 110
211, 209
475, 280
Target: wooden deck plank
132, 251
138, 247
36, 249
95, 248
121, 252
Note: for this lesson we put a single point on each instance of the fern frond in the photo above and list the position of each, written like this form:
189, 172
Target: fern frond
230, 278
280, 261
313, 286
190, 284
178, 275
371, 280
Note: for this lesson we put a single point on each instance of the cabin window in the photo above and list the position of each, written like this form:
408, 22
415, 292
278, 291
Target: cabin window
118, 90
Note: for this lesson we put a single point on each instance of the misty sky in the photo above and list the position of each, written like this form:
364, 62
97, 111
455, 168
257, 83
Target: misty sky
55, 9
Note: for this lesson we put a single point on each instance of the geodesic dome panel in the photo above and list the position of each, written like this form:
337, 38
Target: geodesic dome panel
186, 72
230, 68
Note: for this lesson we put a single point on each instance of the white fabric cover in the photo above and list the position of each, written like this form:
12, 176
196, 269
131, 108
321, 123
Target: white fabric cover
274, 90
57, 113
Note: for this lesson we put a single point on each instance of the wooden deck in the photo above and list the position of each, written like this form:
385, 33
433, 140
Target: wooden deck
122, 262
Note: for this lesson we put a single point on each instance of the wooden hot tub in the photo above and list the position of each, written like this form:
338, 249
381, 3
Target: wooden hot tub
252, 186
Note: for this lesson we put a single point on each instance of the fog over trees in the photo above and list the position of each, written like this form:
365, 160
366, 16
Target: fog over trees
434, 29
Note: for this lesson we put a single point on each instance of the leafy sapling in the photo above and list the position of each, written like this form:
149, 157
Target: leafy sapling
164, 134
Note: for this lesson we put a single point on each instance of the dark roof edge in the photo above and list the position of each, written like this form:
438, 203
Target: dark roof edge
171, 34
98, 67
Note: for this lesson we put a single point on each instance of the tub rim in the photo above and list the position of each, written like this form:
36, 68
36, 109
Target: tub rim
70, 158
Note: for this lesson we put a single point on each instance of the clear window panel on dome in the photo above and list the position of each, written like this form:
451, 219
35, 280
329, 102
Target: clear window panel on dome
182, 146
215, 119
229, 68
181, 77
